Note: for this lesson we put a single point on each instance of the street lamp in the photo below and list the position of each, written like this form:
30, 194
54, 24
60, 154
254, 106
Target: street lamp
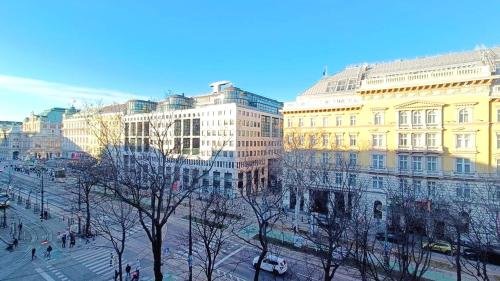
40, 170
190, 257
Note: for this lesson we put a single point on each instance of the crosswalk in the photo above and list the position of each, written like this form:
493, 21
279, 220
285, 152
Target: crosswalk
98, 261
57, 272
199, 249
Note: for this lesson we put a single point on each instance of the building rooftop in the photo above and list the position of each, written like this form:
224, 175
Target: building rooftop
352, 77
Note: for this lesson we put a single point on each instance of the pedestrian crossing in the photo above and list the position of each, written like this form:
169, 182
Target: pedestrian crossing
57, 273
98, 261
199, 249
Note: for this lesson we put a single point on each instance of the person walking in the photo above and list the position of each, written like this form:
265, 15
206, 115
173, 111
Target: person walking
20, 229
15, 242
72, 240
63, 238
116, 274
33, 253
49, 251
127, 270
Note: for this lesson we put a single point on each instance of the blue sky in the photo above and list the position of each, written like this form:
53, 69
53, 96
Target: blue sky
55, 52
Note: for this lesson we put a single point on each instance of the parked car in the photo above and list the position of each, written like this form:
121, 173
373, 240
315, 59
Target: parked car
271, 263
440, 246
4, 200
490, 254
392, 237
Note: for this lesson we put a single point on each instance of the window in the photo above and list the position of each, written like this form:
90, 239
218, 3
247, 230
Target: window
431, 189
417, 186
312, 122
377, 182
403, 118
325, 121
325, 139
290, 123
338, 178
403, 162
498, 115
301, 122
463, 141
377, 161
377, 118
338, 140
498, 167
377, 140
416, 118
377, 210
463, 190
353, 159
417, 140
498, 141
403, 184
324, 158
341, 85
339, 159
312, 140
352, 84
338, 120
463, 115
352, 120
352, 140
431, 117
403, 140
430, 140
301, 140
352, 179
416, 163
463, 165
432, 163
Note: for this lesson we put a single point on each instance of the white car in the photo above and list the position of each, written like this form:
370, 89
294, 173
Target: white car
272, 264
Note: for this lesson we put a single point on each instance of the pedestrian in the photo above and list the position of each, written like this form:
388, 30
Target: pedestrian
72, 240
49, 250
15, 242
33, 252
127, 270
63, 238
20, 228
116, 274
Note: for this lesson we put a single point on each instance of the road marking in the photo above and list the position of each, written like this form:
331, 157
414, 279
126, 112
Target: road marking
43, 274
228, 256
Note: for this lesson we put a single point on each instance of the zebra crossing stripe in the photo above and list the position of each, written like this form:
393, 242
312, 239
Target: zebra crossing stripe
99, 255
86, 254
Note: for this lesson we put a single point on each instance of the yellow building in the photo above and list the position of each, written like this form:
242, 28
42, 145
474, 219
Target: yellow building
427, 124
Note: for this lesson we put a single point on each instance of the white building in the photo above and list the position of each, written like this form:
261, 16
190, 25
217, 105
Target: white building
10, 140
245, 127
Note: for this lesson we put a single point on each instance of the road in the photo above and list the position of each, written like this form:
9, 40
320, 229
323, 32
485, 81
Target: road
92, 261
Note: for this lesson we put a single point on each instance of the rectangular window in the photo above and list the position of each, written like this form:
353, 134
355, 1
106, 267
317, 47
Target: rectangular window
341, 84
377, 182
338, 140
353, 159
403, 140
498, 167
352, 120
430, 140
498, 115
352, 140
498, 141
186, 127
403, 118
325, 140
352, 179
324, 158
432, 163
338, 120
377, 161
301, 122
416, 164
339, 159
403, 162
431, 189
312, 122
338, 178
417, 140
289, 122
325, 121
377, 140
463, 165
463, 190
312, 140
463, 141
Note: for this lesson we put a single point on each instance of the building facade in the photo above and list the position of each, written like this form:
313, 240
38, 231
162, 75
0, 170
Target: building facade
42, 137
240, 132
10, 140
429, 125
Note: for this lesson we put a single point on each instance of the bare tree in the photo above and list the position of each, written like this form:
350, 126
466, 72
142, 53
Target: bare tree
215, 220
113, 219
87, 172
266, 208
147, 167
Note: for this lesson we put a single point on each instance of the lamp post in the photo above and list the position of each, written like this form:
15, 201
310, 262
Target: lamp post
40, 170
190, 257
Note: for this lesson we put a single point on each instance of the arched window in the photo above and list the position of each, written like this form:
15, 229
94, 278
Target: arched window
463, 115
431, 117
377, 210
416, 118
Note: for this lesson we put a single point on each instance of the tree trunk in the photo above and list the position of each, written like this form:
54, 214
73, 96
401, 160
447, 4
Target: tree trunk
457, 257
257, 266
297, 210
156, 243
120, 266
87, 218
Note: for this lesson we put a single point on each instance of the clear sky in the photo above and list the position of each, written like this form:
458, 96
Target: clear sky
55, 52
